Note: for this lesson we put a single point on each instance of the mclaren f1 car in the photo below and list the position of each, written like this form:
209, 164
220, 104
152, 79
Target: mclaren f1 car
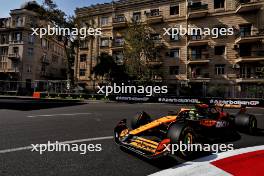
201, 124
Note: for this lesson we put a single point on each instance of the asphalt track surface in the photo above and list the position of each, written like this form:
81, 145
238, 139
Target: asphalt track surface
22, 125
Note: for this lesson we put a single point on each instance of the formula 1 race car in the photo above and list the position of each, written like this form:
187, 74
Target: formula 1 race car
202, 124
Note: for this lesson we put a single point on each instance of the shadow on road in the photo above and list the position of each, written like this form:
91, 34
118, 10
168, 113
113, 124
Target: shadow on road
29, 105
167, 162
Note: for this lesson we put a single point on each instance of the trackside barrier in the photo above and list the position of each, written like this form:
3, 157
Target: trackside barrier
44, 95
187, 100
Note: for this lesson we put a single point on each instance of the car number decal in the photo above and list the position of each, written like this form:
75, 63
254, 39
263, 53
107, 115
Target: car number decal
221, 124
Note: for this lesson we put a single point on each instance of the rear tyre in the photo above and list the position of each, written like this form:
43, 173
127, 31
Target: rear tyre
246, 123
181, 134
140, 120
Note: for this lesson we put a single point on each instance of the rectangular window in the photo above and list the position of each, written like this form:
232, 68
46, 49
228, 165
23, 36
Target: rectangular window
137, 16
175, 53
197, 35
219, 4
220, 69
82, 72
31, 39
4, 51
17, 37
245, 30
245, 50
104, 42
15, 50
83, 44
55, 59
4, 39
83, 58
119, 41
29, 70
44, 43
196, 53
104, 21
219, 50
18, 21
154, 12
120, 18
174, 10
174, 70
30, 51
175, 37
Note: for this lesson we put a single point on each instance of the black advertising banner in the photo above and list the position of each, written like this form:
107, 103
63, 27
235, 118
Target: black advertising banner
186, 100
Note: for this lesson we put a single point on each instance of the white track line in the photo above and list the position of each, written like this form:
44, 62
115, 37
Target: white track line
54, 115
63, 142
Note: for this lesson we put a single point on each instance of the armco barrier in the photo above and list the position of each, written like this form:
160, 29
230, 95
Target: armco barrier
187, 100
44, 95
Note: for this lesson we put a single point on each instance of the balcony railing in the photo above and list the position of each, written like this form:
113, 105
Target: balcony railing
13, 70
250, 76
248, 5
3, 58
193, 75
252, 54
198, 56
198, 40
118, 44
120, 19
16, 42
13, 56
154, 16
193, 8
248, 35
197, 11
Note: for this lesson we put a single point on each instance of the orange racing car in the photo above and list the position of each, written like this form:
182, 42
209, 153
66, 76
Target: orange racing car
202, 124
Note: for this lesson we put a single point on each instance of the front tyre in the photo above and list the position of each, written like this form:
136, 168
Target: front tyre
120, 131
140, 120
180, 134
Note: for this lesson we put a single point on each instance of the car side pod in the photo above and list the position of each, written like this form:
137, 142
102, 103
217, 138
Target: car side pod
121, 126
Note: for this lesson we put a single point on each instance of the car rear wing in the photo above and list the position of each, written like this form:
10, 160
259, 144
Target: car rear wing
228, 106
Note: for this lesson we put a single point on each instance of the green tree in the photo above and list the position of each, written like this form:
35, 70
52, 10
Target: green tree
140, 51
107, 68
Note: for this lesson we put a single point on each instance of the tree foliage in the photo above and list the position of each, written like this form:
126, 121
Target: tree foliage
140, 51
109, 69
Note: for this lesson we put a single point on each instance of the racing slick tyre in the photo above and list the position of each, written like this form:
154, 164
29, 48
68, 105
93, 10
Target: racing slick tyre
120, 131
178, 134
140, 120
246, 122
